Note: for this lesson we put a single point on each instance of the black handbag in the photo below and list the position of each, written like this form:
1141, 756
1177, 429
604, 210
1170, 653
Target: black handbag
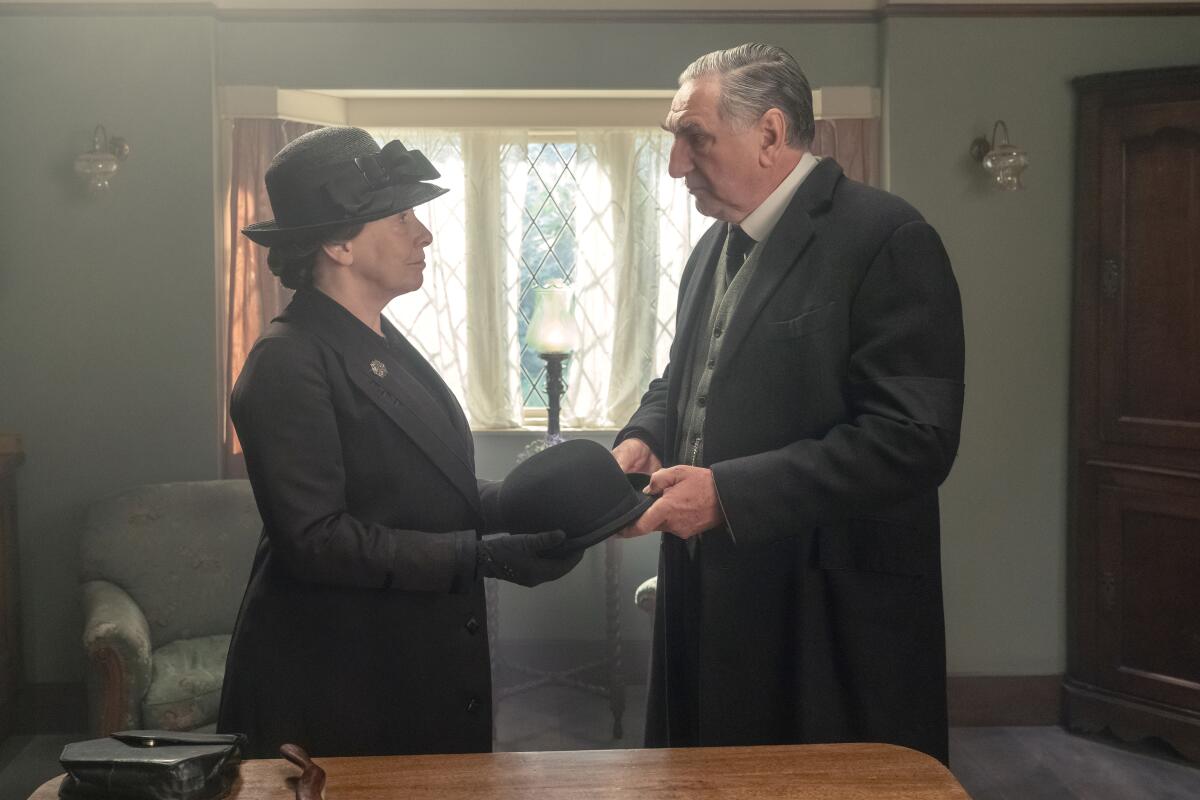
152, 765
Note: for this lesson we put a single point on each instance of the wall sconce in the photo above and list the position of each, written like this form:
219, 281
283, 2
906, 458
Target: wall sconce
1004, 162
553, 335
101, 162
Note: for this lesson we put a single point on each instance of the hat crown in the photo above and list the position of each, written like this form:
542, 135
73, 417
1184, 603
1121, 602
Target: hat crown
576, 486
294, 178
314, 150
338, 176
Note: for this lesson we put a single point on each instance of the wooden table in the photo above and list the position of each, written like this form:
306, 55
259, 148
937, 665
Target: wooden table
789, 772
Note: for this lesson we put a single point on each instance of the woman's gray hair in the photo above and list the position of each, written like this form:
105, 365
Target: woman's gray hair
756, 78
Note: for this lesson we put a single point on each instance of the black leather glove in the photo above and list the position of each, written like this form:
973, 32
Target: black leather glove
524, 558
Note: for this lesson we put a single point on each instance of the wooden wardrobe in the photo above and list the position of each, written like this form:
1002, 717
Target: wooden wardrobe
1134, 547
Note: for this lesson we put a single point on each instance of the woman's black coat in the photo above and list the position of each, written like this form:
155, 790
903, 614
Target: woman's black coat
363, 628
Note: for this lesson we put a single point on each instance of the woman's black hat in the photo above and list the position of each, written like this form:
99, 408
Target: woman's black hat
576, 487
339, 176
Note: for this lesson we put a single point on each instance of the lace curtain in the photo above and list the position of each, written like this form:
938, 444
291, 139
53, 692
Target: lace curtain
596, 209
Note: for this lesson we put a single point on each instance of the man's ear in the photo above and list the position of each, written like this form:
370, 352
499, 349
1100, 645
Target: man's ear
341, 253
772, 131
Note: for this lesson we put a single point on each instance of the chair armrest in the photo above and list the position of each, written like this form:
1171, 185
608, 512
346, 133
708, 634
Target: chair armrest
116, 640
646, 595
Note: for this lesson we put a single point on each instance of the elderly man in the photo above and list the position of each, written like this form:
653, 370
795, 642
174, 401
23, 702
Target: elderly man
808, 414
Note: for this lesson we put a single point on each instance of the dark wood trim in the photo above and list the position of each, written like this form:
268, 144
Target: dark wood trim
668, 16
672, 16
12, 453
1090, 709
986, 700
1041, 10
53, 708
1152, 78
435, 14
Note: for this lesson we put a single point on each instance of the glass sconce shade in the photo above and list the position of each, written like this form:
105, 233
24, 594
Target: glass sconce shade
1002, 160
553, 328
101, 162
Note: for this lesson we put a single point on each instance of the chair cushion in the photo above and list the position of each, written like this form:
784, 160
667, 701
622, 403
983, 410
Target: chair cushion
185, 689
182, 551
646, 595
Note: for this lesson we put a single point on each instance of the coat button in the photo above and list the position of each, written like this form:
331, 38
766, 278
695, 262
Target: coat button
702, 401
473, 705
472, 625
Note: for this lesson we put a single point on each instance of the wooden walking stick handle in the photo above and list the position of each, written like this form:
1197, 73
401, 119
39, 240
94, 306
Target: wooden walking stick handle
311, 785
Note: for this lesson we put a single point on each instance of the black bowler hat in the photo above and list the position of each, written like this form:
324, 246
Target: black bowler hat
577, 487
339, 176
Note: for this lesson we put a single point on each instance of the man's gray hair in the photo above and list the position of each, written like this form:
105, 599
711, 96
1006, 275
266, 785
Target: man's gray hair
754, 79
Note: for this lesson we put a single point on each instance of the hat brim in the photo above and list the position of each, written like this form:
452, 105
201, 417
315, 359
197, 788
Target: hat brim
608, 529
270, 233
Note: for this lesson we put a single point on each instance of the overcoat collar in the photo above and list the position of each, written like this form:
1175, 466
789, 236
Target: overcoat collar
391, 385
783, 248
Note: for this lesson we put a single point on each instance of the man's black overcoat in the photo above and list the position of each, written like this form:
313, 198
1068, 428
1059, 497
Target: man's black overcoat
363, 628
832, 417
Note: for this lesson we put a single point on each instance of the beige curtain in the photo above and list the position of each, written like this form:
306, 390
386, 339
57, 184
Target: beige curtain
251, 295
853, 143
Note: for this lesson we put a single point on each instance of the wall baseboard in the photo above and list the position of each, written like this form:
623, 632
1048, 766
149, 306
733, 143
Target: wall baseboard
974, 701
988, 700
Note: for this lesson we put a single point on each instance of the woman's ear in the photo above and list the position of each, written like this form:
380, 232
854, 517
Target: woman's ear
341, 253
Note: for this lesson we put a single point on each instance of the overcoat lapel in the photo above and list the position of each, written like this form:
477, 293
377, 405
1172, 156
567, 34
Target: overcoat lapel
371, 365
782, 250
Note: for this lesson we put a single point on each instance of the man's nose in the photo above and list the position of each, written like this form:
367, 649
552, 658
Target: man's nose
426, 238
680, 162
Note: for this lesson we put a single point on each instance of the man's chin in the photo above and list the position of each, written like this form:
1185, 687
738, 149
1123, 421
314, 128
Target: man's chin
709, 208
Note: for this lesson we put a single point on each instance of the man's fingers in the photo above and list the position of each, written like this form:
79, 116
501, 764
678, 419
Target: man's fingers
664, 478
648, 522
634, 455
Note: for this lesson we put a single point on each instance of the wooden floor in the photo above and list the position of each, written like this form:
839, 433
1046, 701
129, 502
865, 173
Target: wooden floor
1047, 763
1042, 763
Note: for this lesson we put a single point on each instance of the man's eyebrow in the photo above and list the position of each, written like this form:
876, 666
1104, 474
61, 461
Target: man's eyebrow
684, 128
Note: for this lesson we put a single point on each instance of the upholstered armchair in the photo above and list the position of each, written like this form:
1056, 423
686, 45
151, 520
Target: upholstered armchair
163, 571
646, 595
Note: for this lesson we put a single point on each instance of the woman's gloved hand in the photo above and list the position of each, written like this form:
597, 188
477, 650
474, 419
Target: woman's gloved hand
524, 558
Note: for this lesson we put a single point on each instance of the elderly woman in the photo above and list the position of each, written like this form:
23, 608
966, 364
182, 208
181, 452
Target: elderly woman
363, 628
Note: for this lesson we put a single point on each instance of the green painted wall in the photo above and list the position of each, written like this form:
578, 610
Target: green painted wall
107, 321
107, 324
1004, 506
426, 55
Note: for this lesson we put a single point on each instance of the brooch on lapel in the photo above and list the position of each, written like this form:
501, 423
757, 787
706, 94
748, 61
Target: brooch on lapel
379, 368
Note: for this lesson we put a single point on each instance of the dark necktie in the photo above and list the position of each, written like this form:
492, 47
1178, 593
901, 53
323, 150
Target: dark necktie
735, 252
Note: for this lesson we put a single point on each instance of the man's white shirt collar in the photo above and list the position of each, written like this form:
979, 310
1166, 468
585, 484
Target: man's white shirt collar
761, 221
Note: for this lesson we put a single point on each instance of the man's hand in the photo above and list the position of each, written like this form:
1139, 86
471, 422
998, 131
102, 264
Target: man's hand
688, 505
634, 455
